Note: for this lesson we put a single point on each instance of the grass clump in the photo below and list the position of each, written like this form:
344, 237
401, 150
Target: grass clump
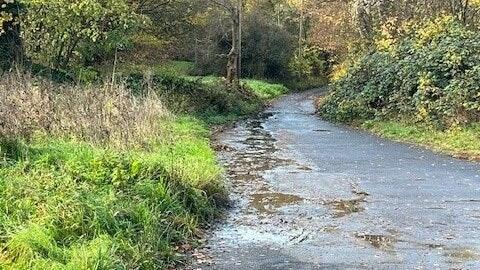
108, 195
265, 90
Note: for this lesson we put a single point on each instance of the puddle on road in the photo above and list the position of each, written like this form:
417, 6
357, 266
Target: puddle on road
435, 246
304, 168
269, 203
255, 153
257, 200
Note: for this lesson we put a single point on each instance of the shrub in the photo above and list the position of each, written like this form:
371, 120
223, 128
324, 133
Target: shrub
58, 32
309, 62
262, 56
428, 76
10, 41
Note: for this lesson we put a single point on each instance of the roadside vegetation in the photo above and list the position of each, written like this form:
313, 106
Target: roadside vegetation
106, 114
461, 142
96, 178
417, 80
110, 176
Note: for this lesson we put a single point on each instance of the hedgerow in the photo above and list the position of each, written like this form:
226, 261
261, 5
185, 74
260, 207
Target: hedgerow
430, 74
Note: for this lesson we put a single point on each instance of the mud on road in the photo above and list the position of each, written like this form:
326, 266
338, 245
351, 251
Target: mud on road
309, 194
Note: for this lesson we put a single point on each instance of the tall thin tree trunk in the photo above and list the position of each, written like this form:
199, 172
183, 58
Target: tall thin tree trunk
233, 64
240, 29
301, 31
464, 13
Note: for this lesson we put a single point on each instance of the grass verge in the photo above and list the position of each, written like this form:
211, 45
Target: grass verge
207, 98
262, 89
96, 177
459, 142
71, 205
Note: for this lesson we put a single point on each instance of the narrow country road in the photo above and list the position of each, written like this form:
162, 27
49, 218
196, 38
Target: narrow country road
314, 195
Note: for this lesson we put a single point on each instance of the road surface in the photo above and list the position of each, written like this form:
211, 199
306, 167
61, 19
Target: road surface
309, 194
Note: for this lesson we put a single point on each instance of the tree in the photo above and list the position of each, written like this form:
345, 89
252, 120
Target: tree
169, 18
332, 27
369, 15
301, 7
263, 56
55, 30
234, 10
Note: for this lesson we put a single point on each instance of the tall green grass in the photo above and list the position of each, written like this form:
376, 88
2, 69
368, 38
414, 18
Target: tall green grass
70, 205
266, 90
98, 178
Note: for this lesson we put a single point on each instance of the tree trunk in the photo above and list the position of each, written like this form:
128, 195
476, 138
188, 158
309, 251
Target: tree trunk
301, 31
232, 65
11, 49
240, 29
464, 13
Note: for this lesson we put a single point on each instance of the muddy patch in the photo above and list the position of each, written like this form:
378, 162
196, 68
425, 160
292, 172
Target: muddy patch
463, 255
377, 240
342, 208
269, 203
255, 153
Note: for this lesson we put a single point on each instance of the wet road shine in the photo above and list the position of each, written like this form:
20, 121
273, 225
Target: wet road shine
309, 194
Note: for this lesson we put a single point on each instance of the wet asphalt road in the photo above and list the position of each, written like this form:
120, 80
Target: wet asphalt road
314, 195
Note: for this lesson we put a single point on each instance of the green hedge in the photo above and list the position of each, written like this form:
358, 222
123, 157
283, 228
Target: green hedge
429, 75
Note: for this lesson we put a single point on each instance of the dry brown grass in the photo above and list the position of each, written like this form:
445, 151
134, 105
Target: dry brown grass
103, 114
